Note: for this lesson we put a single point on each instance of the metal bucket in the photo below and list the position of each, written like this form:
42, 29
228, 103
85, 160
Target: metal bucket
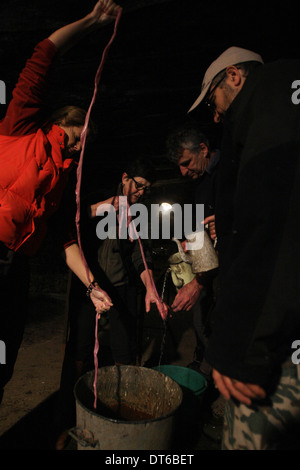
136, 409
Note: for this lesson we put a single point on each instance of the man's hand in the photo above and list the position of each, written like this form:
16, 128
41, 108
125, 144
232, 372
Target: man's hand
211, 226
243, 392
187, 296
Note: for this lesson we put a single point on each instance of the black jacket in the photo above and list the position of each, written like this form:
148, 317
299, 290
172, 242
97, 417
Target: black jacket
206, 186
129, 250
257, 315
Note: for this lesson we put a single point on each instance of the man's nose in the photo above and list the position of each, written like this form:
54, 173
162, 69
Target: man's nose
184, 170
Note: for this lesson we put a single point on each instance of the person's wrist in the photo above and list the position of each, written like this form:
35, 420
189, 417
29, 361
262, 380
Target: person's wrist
199, 280
90, 288
91, 21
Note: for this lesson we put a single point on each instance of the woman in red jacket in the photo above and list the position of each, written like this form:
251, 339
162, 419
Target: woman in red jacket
34, 166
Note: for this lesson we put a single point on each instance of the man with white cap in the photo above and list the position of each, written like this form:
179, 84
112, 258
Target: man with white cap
212, 80
256, 319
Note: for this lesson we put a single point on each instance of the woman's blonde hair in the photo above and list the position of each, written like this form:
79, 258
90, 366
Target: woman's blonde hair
71, 116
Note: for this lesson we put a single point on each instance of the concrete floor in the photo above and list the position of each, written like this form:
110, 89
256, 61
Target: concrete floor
29, 403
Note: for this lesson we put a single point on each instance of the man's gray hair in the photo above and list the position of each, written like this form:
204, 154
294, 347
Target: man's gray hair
188, 136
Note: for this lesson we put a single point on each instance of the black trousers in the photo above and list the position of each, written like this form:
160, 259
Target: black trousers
80, 344
14, 288
122, 320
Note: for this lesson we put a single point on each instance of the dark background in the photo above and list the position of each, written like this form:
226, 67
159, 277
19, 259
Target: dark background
154, 68
152, 75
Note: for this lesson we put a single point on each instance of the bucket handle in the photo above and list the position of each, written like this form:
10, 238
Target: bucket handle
84, 437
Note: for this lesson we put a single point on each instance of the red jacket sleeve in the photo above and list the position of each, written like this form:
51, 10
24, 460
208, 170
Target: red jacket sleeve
23, 113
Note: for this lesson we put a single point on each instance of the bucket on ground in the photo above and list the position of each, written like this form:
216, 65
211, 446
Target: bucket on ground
189, 422
135, 411
188, 379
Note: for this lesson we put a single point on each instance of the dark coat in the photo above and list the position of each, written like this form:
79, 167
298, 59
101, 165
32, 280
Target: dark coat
257, 315
206, 186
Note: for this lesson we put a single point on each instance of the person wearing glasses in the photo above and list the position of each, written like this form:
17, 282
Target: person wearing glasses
256, 318
121, 262
119, 268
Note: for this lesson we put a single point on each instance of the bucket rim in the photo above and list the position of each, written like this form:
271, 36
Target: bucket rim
141, 422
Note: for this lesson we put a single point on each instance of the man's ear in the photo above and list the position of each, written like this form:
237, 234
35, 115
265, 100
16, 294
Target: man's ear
204, 150
234, 75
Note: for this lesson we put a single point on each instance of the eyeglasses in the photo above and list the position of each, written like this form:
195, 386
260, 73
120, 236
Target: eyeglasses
209, 100
140, 186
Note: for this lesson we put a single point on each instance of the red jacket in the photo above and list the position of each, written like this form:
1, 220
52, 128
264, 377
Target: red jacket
33, 173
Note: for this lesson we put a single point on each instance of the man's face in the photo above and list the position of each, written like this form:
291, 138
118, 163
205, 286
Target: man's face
222, 99
194, 163
222, 95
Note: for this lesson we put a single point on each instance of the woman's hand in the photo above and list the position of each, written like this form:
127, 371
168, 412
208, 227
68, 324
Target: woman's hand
151, 298
99, 208
151, 295
101, 300
104, 11
66, 37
